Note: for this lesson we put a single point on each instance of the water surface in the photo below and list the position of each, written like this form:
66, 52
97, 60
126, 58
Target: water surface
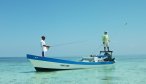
127, 70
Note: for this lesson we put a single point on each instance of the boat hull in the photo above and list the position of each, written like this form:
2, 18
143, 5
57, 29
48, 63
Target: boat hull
53, 64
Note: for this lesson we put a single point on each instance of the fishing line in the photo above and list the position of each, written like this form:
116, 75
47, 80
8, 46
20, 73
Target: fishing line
68, 43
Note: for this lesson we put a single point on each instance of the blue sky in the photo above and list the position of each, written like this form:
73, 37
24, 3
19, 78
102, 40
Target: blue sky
23, 22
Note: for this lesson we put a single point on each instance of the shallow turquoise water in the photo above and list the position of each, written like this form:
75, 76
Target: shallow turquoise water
127, 70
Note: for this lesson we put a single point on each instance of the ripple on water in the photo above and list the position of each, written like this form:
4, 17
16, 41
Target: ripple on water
111, 78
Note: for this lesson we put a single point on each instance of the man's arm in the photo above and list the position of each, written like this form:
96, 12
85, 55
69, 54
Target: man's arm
46, 46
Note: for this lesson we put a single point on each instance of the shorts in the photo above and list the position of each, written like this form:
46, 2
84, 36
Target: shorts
106, 44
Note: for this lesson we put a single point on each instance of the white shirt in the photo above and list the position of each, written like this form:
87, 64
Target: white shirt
43, 47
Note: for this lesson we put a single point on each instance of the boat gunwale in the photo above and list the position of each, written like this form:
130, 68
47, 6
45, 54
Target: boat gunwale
48, 59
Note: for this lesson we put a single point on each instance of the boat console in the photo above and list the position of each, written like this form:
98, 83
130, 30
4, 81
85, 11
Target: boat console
102, 57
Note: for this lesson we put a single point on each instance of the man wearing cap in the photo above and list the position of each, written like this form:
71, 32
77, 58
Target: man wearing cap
105, 40
44, 46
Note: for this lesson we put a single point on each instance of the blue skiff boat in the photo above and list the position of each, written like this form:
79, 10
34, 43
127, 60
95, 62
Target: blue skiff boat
52, 64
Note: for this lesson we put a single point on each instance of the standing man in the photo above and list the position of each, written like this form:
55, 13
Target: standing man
105, 40
44, 46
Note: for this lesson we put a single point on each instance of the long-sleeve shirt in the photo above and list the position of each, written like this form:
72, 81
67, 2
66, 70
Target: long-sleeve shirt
43, 45
105, 38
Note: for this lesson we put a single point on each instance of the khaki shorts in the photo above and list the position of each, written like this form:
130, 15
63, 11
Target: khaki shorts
106, 44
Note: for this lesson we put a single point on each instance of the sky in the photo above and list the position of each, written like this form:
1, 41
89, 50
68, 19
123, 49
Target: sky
72, 27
